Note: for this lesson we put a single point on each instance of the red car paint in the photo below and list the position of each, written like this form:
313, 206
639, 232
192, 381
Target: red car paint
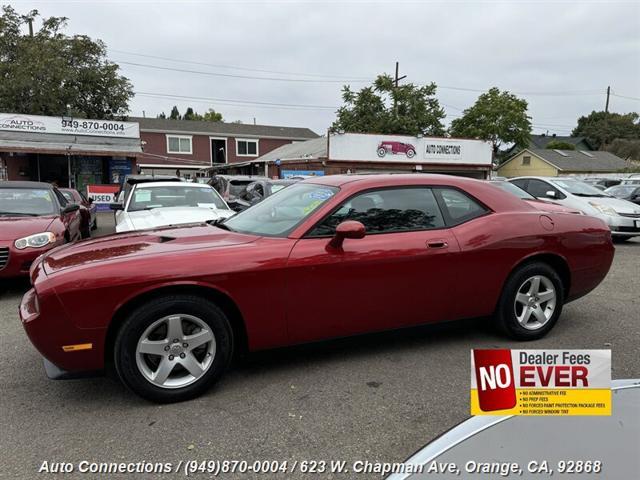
65, 226
88, 209
294, 289
546, 206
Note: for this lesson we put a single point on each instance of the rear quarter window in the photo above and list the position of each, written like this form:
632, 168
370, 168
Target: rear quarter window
459, 207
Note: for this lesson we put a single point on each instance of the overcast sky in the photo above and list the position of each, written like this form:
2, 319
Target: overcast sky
560, 56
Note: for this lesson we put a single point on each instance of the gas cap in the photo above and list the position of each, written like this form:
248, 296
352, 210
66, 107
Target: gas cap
546, 222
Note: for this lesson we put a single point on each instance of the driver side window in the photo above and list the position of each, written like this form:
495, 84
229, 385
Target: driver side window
539, 188
386, 211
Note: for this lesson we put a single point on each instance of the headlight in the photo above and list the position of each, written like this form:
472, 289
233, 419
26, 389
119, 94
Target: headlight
603, 209
35, 241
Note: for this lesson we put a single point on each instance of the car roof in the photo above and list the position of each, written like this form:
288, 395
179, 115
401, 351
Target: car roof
173, 184
21, 184
374, 180
253, 178
133, 179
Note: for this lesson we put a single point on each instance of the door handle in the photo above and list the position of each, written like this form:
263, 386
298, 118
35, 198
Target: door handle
437, 244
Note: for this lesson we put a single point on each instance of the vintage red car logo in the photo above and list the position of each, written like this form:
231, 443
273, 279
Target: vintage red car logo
396, 148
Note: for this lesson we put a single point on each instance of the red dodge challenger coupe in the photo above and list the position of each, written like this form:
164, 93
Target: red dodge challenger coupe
34, 218
327, 257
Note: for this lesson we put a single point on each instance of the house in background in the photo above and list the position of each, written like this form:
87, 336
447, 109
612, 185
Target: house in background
541, 141
552, 163
190, 146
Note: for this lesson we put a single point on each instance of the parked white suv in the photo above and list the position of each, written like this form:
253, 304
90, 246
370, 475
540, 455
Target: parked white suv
159, 204
623, 217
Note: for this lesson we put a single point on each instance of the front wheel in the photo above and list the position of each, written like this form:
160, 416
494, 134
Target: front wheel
531, 302
173, 349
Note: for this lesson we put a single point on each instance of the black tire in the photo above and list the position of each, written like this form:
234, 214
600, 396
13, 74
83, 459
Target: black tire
140, 319
505, 317
95, 223
85, 232
411, 153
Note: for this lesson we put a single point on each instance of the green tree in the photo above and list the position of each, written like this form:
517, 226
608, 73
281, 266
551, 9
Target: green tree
212, 116
498, 117
625, 148
175, 114
385, 108
602, 128
51, 73
560, 145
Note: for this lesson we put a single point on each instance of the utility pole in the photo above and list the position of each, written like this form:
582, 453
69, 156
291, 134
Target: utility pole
395, 83
30, 21
606, 107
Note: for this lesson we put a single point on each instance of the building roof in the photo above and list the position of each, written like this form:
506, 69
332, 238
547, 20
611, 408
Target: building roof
316, 148
541, 141
221, 128
577, 160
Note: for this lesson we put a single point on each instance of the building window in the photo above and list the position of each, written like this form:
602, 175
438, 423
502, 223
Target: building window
179, 144
526, 160
247, 148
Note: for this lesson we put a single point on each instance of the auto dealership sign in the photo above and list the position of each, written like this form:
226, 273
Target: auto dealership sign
14, 122
103, 195
405, 149
540, 382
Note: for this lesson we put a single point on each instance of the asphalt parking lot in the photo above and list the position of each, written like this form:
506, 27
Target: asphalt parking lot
376, 398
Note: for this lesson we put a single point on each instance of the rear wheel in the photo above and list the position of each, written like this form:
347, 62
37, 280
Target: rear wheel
531, 302
173, 349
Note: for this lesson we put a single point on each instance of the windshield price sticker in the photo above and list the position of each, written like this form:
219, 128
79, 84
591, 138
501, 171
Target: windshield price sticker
540, 382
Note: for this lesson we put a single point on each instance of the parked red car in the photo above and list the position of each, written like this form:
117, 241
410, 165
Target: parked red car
34, 218
87, 210
396, 148
327, 257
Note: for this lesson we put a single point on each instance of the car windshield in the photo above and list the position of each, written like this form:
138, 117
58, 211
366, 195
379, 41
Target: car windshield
578, 188
278, 215
27, 202
517, 191
276, 187
179, 195
622, 190
67, 194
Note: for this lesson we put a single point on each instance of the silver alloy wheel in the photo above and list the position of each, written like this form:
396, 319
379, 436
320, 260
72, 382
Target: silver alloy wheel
175, 351
535, 302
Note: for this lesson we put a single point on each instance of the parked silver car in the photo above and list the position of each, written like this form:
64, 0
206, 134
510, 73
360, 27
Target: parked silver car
495, 443
622, 216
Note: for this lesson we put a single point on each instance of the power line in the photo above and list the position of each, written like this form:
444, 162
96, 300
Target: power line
246, 69
229, 101
230, 75
625, 96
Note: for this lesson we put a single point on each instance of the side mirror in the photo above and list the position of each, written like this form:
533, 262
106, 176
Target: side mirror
116, 206
348, 229
72, 207
550, 194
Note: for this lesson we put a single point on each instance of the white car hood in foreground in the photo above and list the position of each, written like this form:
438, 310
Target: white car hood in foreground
165, 216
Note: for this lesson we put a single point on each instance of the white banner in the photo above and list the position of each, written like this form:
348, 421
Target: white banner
396, 148
15, 122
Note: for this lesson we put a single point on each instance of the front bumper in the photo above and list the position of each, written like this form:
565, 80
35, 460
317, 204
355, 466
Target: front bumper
16, 263
61, 342
622, 226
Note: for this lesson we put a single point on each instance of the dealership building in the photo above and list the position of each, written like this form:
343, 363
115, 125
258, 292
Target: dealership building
370, 153
68, 151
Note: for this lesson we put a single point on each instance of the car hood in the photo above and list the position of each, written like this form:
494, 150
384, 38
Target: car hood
162, 217
619, 205
135, 244
549, 206
12, 228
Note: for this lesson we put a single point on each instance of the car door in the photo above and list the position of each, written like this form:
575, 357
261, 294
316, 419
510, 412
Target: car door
71, 220
397, 275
